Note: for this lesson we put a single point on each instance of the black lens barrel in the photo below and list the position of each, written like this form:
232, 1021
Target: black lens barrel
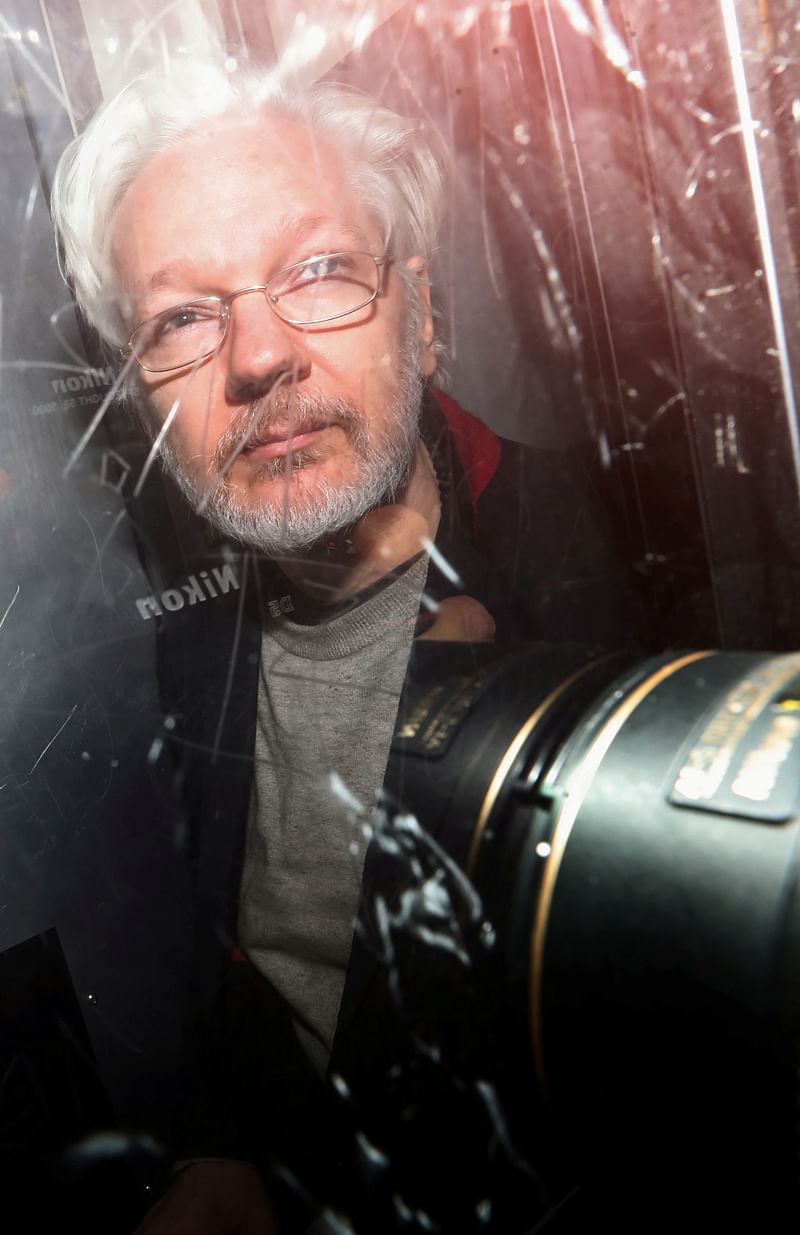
632, 830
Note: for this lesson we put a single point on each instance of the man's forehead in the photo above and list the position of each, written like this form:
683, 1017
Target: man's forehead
249, 187
281, 146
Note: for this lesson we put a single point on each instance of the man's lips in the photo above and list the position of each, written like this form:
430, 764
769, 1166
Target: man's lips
282, 442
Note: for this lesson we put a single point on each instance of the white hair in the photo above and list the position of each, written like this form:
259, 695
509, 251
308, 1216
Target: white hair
393, 164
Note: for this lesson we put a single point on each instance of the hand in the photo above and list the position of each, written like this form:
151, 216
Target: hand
213, 1198
461, 619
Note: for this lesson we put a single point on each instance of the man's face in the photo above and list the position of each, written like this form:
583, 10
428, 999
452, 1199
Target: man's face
287, 433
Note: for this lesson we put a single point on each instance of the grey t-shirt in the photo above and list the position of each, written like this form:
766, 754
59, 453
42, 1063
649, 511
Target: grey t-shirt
327, 705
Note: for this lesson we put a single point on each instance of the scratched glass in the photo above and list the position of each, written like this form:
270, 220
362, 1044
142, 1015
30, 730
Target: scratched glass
308, 293
616, 284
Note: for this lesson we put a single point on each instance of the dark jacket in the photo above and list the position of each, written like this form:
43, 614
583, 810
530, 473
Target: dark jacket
524, 536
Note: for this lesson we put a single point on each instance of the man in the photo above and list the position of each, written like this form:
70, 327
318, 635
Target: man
260, 262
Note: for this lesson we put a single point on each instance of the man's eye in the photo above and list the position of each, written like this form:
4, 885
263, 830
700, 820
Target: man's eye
308, 276
183, 318
324, 267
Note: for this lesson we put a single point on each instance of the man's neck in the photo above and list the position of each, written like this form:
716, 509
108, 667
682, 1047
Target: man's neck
385, 539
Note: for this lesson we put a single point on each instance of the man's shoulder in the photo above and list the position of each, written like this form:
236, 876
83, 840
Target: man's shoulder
509, 479
543, 527
516, 469
479, 448
218, 602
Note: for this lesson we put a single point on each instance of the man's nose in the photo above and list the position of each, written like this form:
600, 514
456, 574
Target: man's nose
262, 350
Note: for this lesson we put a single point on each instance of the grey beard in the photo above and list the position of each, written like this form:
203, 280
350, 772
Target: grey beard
301, 520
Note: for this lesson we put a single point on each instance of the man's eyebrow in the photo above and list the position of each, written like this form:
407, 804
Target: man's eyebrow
288, 230
293, 230
173, 273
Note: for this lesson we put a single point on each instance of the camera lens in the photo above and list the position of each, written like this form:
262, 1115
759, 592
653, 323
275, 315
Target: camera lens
632, 832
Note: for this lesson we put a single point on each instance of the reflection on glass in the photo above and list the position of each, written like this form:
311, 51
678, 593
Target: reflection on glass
206, 648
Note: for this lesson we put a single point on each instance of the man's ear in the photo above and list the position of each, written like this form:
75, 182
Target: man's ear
419, 270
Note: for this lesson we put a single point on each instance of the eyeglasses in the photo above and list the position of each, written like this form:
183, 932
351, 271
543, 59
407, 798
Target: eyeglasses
320, 289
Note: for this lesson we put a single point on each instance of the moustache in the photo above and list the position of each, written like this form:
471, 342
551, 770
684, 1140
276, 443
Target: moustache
286, 413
